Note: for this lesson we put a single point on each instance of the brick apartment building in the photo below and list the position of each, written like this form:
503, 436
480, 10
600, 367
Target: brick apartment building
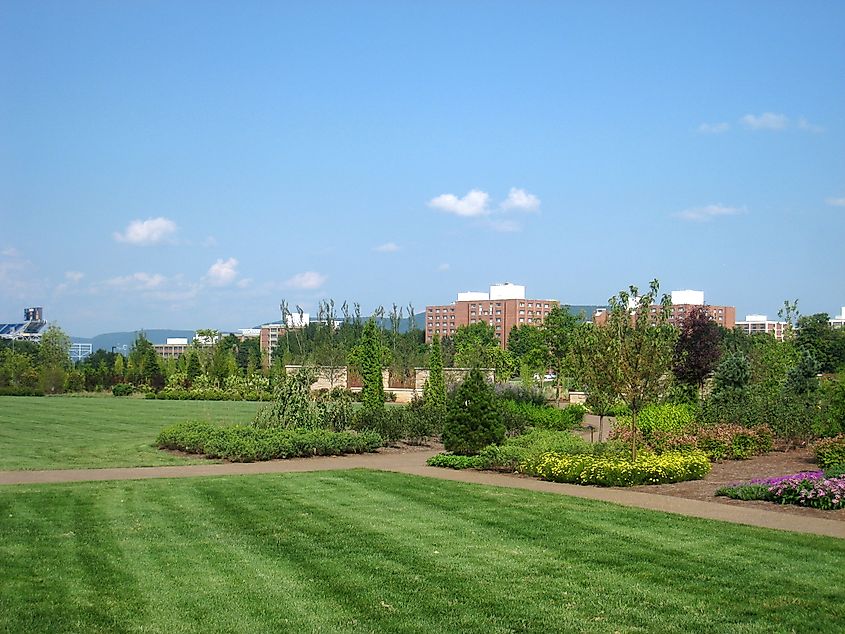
503, 307
683, 302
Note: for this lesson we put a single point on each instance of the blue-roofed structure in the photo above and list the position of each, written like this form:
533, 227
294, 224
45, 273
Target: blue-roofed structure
30, 329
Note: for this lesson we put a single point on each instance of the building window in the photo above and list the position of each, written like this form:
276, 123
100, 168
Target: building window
522, 319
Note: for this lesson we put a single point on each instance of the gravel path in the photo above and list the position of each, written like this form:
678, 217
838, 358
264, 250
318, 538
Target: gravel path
411, 460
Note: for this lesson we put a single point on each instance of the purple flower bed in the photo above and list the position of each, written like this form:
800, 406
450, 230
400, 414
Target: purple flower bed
808, 488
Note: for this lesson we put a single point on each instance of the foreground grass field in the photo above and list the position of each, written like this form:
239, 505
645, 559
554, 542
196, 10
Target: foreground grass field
379, 552
64, 432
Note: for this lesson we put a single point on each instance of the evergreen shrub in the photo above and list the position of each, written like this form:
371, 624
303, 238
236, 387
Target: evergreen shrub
473, 420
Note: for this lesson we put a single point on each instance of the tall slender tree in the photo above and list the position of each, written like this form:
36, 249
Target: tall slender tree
641, 345
434, 389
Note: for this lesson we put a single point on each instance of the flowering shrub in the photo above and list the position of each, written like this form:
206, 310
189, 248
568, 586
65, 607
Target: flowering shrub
719, 442
616, 471
809, 488
830, 452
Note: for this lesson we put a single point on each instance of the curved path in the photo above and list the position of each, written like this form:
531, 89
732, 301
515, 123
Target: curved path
413, 462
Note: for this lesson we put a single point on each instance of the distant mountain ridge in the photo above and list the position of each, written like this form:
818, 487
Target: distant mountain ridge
123, 340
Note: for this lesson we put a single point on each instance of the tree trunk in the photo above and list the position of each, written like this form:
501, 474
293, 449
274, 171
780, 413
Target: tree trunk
601, 426
633, 436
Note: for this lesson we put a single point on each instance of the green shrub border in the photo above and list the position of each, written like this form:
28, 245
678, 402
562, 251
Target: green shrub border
242, 443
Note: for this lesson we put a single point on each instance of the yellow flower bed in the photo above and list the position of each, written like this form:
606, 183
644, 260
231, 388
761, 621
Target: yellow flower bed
673, 466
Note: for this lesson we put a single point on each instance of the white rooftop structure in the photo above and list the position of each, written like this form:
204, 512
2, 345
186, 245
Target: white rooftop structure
250, 332
472, 296
756, 319
696, 298
176, 341
505, 290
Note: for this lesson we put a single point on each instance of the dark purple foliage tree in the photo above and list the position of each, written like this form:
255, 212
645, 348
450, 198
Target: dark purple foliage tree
698, 348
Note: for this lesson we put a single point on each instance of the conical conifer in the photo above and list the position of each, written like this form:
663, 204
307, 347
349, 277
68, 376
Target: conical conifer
473, 420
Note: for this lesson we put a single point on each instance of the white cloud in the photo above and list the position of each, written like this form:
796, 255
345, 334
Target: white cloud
708, 212
137, 281
805, 125
521, 200
74, 276
245, 282
765, 121
222, 272
10, 252
210, 241
147, 232
387, 247
443, 267
473, 204
714, 128
836, 202
307, 280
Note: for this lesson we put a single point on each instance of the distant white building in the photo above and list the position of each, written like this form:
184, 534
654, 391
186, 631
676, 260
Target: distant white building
761, 324
505, 290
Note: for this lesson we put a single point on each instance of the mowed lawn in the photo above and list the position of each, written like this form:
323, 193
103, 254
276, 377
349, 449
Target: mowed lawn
63, 432
360, 551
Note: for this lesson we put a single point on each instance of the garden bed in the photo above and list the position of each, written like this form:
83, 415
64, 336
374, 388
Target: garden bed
735, 471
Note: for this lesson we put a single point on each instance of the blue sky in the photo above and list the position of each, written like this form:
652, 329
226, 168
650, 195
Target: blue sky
189, 165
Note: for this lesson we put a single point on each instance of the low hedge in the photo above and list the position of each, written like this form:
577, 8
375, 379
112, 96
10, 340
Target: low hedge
455, 461
527, 448
830, 452
517, 415
241, 443
616, 471
208, 394
20, 391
